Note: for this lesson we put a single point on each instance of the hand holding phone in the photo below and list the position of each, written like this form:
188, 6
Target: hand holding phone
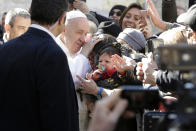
144, 13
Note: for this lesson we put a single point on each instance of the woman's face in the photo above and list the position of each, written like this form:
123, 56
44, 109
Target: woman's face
132, 17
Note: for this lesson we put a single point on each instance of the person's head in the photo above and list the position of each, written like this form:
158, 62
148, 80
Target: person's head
131, 16
116, 12
17, 22
106, 40
49, 13
76, 29
93, 23
174, 36
105, 57
109, 27
189, 18
134, 38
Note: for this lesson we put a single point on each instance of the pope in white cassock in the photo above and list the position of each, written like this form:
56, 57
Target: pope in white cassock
72, 42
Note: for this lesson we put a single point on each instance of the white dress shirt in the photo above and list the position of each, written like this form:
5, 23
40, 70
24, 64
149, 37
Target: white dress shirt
44, 29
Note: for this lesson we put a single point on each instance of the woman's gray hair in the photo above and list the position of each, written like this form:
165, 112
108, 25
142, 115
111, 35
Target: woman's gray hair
12, 14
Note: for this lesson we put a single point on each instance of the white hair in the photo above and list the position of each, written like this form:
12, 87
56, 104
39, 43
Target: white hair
12, 14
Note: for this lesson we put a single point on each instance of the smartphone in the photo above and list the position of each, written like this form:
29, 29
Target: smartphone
140, 98
144, 13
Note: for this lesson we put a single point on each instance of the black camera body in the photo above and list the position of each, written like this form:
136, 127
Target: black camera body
140, 98
151, 120
180, 57
153, 44
177, 57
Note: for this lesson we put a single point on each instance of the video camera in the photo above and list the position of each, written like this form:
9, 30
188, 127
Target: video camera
140, 98
177, 57
180, 57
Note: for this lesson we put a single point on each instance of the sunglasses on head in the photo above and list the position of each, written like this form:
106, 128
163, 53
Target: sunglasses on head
117, 13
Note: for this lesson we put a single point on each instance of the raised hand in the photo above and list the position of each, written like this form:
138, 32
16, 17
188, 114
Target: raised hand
89, 45
154, 15
123, 64
146, 70
81, 5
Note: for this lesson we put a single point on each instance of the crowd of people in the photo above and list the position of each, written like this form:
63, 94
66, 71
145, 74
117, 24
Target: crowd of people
62, 65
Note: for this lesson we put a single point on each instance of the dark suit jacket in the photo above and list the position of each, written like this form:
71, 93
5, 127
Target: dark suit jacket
36, 87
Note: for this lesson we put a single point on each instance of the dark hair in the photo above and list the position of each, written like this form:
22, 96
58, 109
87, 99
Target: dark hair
120, 7
109, 27
132, 5
107, 39
47, 12
110, 50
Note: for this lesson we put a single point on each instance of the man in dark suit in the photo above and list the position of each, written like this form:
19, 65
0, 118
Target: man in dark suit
36, 88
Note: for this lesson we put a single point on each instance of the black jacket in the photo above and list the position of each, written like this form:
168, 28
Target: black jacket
36, 87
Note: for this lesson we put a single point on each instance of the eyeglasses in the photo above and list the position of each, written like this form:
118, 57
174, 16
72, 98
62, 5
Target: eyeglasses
118, 13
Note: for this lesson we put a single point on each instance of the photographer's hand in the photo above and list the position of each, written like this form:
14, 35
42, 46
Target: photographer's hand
107, 113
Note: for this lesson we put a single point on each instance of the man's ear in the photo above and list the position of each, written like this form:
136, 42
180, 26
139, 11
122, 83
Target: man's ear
62, 19
7, 28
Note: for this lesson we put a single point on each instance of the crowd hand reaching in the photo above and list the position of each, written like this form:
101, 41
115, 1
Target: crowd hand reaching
89, 45
139, 71
87, 86
107, 112
123, 64
146, 70
81, 5
94, 75
154, 15
144, 26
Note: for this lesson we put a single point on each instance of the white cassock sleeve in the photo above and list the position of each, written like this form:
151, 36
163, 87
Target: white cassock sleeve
79, 65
